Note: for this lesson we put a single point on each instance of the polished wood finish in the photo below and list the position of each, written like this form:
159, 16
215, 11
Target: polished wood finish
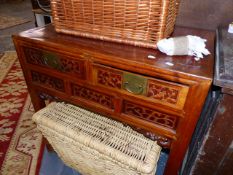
103, 77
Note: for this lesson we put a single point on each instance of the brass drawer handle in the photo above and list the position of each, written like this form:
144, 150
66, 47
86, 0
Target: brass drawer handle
52, 60
137, 90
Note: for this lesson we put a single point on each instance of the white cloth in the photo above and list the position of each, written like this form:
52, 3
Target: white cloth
230, 28
185, 45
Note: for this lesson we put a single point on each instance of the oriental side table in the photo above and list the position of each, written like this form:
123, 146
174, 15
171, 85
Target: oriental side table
119, 81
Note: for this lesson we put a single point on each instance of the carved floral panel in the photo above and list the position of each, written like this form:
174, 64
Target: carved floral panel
34, 56
48, 59
150, 115
48, 81
92, 95
163, 141
162, 92
110, 78
72, 66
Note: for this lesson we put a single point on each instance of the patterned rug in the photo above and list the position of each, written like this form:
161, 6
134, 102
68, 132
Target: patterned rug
10, 21
21, 145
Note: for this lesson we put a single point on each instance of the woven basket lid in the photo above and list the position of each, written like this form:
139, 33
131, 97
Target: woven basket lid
107, 136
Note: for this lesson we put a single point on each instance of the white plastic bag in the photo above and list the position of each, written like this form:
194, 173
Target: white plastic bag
184, 45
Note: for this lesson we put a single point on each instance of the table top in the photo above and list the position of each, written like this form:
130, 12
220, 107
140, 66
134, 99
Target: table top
183, 66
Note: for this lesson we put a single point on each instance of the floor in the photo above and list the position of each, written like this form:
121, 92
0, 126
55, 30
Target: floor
16, 8
51, 164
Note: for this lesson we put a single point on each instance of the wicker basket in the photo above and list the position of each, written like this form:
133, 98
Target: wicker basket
135, 22
95, 145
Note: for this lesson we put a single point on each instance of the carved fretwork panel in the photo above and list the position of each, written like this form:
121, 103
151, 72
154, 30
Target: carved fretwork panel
34, 56
54, 61
162, 92
48, 81
73, 66
161, 140
150, 115
92, 95
110, 78
50, 98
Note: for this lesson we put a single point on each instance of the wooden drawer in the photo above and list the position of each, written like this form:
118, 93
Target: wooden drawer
47, 81
150, 89
55, 61
148, 114
92, 96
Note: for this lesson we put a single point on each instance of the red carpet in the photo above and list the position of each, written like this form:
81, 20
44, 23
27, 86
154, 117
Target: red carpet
21, 144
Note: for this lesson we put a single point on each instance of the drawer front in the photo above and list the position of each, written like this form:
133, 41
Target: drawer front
55, 61
172, 94
47, 81
148, 114
92, 95
108, 77
149, 89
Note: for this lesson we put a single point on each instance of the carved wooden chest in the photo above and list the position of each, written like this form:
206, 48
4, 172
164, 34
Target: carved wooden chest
120, 81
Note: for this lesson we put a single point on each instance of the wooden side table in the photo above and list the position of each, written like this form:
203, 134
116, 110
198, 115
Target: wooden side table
120, 81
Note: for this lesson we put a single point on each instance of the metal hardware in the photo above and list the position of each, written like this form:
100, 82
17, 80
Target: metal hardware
136, 90
52, 60
134, 84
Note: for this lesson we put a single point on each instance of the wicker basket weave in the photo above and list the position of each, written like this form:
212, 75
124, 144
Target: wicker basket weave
95, 145
135, 22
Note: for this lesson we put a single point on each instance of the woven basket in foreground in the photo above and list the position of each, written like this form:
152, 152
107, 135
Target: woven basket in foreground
96, 145
136, 22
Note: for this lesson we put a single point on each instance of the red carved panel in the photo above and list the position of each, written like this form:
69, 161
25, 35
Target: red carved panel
150, 115
34, 56
110, 78
66, 65
92, 95
48, 81
72, 66
162, 92
161, 140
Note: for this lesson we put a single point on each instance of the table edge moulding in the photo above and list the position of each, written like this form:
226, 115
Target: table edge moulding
120, 81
